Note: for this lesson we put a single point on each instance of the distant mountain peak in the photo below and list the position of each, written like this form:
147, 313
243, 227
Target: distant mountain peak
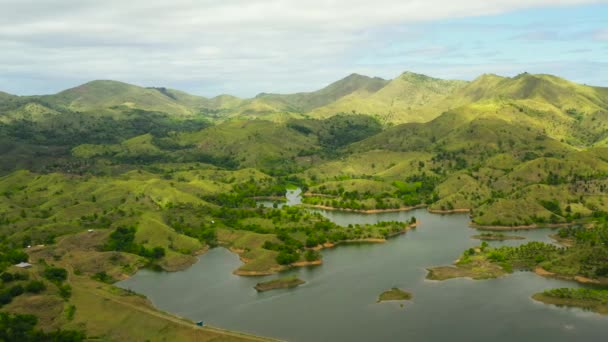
412, 76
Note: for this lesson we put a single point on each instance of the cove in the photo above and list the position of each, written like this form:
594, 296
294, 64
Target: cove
338, 301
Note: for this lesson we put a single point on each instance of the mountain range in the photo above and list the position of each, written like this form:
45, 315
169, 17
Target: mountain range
107, 177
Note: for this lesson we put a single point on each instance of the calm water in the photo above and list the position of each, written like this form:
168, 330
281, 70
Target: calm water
338, 302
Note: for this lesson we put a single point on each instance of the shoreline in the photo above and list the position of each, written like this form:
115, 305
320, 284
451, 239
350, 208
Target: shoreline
526, 227
367, 240
318, 262
363, 211
599, 308
391, 210
450, 211
269, 198
497, 238
440, 212
577, 278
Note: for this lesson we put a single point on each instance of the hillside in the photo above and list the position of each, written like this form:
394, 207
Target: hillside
408, 98
304, 102
104, 95
107, 178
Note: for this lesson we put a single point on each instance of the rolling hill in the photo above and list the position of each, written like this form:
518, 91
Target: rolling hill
107, 177
352, 84
410, 97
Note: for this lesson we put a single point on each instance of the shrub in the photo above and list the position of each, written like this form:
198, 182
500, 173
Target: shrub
286, 258
35, 286
56, 274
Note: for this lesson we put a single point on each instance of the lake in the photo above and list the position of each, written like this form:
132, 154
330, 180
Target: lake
338, 301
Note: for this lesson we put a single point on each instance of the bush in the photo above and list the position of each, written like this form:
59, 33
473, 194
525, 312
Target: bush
22, 328
103, 277
56, 274
6, 277
311, 255
16, 290
5, 298
287, 258
65, 291
35, 286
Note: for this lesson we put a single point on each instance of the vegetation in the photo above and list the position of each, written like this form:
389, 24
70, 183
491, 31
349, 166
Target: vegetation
281, 283
23, 328
105, 178
123, 240
586, 258
590, 299
497, 237
394, 294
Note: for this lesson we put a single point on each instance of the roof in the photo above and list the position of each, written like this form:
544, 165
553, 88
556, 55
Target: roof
24, 265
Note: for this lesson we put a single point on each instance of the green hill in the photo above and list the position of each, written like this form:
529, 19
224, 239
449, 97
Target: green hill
107, 177
408, 98
5, 96
304, 102
104, 95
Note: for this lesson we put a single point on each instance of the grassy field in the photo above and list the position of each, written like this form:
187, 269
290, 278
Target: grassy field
105, 312
107, 177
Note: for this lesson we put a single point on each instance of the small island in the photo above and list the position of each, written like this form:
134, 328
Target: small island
393, 295
589, 299
473, 263
497, 237
281, 283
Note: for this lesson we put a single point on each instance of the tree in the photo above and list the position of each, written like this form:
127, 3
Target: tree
22, 328
35, 286
287, 258
56, 274
158, 252
65, 291
6, 277
311, 255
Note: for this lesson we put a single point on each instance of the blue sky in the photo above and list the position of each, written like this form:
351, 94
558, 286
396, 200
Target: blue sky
243, 47
571, 42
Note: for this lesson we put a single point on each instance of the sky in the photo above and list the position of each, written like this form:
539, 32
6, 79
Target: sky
244, 47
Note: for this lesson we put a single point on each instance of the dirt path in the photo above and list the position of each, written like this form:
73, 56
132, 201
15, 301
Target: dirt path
176, 319
162, 315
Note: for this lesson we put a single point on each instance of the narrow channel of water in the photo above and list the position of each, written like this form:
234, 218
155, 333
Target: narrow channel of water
338, 302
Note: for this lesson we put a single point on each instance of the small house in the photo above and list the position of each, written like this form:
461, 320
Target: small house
24, 265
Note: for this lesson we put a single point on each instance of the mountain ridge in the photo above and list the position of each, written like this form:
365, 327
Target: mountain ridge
409, 97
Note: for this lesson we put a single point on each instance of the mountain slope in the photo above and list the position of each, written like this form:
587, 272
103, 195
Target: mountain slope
351, 84
112, 95
558, 92
408, 98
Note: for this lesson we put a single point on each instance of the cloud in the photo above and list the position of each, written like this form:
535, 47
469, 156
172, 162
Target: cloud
600, 35
239, 46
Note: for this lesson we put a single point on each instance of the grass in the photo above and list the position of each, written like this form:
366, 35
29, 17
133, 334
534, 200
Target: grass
496, 237
281, 283
119, 315
394, 294
407, 98
522, 151
152, 232
260, 261
589, 299
477, 267
104, 311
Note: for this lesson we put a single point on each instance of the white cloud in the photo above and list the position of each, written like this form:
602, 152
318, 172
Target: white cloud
600, 35
239, 46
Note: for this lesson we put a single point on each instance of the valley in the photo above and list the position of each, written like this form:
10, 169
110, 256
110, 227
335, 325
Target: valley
111, 184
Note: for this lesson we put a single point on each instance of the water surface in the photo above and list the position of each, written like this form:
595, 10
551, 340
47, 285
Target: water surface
338, 302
